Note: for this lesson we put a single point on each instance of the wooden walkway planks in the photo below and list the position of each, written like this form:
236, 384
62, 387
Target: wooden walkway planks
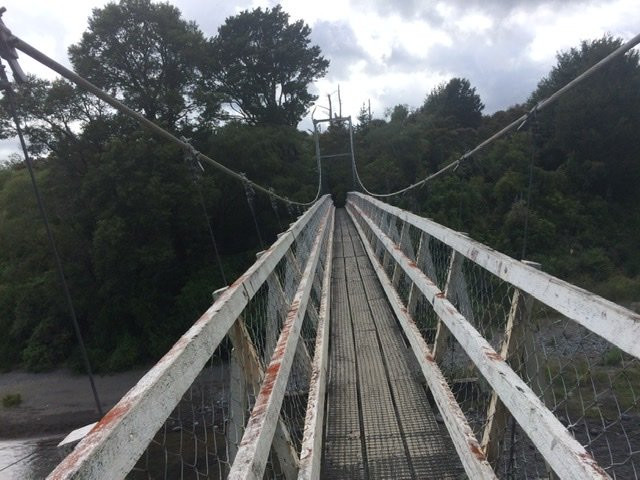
378, 423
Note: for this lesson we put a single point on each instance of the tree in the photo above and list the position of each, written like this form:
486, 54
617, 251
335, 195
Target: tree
52, 112
398, 114
592, 130
363, 117
456, 101
263, 65
150, 57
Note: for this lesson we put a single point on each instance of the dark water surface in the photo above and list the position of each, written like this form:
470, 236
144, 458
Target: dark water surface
29, 458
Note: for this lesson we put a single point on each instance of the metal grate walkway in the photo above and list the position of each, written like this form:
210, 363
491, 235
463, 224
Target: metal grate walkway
379, 423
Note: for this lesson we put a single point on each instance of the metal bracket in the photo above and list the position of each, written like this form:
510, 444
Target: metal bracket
8, 52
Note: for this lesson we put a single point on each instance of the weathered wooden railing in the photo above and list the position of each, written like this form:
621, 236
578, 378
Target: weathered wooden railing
242, 392
533, 376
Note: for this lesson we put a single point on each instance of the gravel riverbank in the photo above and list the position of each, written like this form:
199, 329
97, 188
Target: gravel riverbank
57, 401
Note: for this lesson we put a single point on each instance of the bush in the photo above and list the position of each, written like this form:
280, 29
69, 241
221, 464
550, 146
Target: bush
619, 288
11, 400
37, 357
47, 346
126, 355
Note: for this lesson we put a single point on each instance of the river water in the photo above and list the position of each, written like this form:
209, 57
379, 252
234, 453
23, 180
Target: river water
30, 458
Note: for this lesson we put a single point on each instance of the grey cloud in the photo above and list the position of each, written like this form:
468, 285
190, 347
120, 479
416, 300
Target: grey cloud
405, 8
416, 9
399, 61
211, 14
498, 71
339, 44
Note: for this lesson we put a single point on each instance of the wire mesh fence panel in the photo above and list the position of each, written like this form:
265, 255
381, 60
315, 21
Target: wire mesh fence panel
201, 437
589, 384
277, 419
193, 441
202, 434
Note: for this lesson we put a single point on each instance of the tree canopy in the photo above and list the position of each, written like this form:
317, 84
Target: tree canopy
583, 152
601, 150
150, 57
263, 65
455, 101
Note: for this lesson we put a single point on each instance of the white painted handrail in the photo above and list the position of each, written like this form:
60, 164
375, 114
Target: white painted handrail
564, 454
251, 460
593, 312
116, 443
311, 451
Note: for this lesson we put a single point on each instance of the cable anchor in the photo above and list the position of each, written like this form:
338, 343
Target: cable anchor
8, 52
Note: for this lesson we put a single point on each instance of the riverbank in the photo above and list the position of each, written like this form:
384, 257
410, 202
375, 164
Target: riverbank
57, 402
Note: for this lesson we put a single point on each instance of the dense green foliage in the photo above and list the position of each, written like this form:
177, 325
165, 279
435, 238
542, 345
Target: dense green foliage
134, 240
128, 213
583, 221
149, 57
262, 65
126, 208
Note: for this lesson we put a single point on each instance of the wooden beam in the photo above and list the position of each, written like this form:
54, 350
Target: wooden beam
442, 334
593, 312
424, 260
311, 451
238, 406
464, 440
395, 279
245, 377
253, 453
497, 413
116, 443
392, 232
566, 456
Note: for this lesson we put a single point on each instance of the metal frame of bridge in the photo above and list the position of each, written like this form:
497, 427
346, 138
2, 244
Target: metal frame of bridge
388, 250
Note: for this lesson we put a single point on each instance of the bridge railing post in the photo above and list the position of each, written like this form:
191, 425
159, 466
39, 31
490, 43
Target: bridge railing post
456, 292
531, 375
518, 347
397, 271
383, 223
497, 414
405, 243
280, 378
245, 376
424, 261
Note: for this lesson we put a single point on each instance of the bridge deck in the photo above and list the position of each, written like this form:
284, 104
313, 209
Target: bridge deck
379, 423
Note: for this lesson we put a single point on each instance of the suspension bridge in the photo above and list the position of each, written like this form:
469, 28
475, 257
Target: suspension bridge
370, 342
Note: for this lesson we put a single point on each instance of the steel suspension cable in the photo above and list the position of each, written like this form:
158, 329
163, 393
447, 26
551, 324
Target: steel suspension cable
525, 233
214, 244
143, 121
251, 194
516, 124
196, 170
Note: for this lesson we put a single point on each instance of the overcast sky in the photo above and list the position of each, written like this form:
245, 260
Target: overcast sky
387, 51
